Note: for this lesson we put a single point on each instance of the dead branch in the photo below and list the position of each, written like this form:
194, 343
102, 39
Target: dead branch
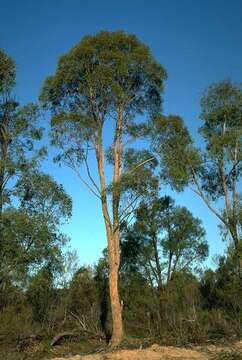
60, 336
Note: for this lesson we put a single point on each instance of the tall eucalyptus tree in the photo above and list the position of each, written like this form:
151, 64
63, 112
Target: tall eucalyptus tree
98, 90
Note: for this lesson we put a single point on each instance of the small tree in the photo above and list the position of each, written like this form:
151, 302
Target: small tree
32, 236
83, 300
213, 174
97, 91
40, 294
18, 135
169, 240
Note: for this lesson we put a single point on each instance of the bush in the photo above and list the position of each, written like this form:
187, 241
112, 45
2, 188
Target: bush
15, 322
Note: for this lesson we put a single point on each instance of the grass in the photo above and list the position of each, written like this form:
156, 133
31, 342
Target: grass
43, 350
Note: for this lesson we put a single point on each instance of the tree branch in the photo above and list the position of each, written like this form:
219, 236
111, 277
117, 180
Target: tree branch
73, 167
139, 165
90, 176
199, 192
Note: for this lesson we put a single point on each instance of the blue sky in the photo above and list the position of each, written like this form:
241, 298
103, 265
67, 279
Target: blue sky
198, 42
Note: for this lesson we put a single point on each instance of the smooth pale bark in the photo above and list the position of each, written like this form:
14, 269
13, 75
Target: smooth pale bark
112, 232
114, 261
114, 250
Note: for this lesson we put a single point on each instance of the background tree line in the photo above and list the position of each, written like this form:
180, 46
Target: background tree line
149, 281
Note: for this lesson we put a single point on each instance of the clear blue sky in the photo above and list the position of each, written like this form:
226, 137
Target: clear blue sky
198, 41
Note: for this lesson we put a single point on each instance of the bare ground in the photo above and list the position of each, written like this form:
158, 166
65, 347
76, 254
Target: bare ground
156, 352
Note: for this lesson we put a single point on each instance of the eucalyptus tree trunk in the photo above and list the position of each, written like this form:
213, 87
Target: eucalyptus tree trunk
105, 74
232, 226
114, 250
116, 307
112, 229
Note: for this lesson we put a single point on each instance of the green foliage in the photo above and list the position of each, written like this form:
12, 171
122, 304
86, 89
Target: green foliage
185, 238
7, 72
16, 315
16, 321
32, 204
39, 194
17, 137
31, 232
82, 291
18, 131
222, 103
221, 109
106, 80
40, 294
139, 308
138, 180
93, 81
166, 235
84, 302
173, 143
214, 173
111, 68
18, 134
181, 306
159, 252
105, 76
222, 299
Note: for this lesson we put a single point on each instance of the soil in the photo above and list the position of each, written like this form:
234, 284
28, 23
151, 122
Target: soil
156, 352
